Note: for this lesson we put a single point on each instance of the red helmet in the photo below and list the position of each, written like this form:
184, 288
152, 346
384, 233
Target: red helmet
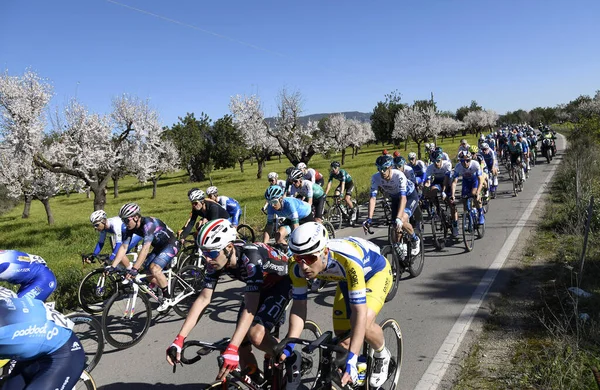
396, 153
385, 151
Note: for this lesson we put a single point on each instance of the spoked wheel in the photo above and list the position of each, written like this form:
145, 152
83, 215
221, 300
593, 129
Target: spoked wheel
95, 289
89, 333
485, 201
468, 230
188, 256
85, 382
437, 231
335, 216
246, 233
126, 318
390, 254
190, 284
310, 362
330, 229
417, 262
393, 342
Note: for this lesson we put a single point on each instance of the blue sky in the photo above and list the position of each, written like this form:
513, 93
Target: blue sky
192, 56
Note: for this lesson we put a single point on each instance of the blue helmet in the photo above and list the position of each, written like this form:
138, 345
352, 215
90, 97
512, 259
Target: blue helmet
384, 162
274, 192
399, 161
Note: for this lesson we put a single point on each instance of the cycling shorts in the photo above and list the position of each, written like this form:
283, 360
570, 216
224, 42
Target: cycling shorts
468, 186
41, 287
377, 286
289, 225
412, 201
161, 257
59, 370
272, 304
319, 205
349, 187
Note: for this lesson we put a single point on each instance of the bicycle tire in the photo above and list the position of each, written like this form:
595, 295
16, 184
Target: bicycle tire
310, 363
437, 230
468, 230
416, 265
353, 219
330, 229
486, 202
514, 181
89, 331
335, 216
246, 233
387, 210
194, 276
390, 255
93, 294
187, 256
480, 230
85, 382
394, 342
115, 324
218, 385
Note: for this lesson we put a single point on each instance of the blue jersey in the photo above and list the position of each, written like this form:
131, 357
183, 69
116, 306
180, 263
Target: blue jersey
152, 230
233, 208
22, 268
293, 209
117, 229
489, 159
29, 330
525, 146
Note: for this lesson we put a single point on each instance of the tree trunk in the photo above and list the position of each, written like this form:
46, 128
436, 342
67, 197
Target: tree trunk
27, 207
405, 144
87, 193
154, 185
259, 162
116, 188
343, 156
46, 203
242, 166
419, 150
99, 196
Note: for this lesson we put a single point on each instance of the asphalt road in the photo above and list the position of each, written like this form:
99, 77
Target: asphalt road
426, 307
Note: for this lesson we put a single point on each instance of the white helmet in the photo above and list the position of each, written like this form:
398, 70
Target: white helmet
97, 216
196, 195
310, 237
129, 210
412, 156
212, 190
216, 235
273, 175
301, 166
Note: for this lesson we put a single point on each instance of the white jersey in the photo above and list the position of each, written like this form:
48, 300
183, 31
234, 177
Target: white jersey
409, 173
310, 175
397, 186
305, 190
470, 173
438, 173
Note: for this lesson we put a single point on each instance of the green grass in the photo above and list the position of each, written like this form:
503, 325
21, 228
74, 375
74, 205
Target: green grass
62, 243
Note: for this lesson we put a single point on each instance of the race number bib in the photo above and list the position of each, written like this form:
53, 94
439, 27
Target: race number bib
58, 318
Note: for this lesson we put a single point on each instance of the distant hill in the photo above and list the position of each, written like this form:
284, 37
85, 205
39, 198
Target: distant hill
361, 116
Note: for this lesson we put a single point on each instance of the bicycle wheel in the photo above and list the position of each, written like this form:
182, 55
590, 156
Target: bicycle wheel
95, 289
310, 362
187, 256
394, 343
231, 385
330, 229
192, 276
486, 202
85, 382
417, 262
437, 230
246, 233
480, 230
335, 216
390, 255
356, 213
468, 231
514, 181
126, 318
89, 331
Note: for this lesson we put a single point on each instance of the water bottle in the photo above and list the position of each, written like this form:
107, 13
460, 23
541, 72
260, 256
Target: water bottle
361, 368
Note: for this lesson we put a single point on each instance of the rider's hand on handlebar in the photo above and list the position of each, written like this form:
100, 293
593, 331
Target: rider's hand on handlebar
109, 269
351, 372
398, 224
178, 346
231, 361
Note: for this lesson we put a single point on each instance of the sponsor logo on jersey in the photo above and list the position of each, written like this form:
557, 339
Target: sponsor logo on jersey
75, 346
23, 270
275, 267
34, 330
353, 277
250, 269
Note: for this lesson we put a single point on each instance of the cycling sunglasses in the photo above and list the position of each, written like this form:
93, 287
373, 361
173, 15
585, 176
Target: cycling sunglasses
308, 259
274, 202
97, 224
211, 254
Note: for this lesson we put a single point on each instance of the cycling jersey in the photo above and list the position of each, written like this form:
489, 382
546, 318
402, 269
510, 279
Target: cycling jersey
489, 158
213, 211
492, 143
342, 176
409, 173
525, 145
36, 280
515, 149
308, 189
162, 239
398, 185
291, 208
419, 169
233, 208
471, 173
313, 175
116, 228
439, 173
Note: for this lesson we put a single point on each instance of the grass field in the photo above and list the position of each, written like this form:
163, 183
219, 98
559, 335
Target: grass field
62, 243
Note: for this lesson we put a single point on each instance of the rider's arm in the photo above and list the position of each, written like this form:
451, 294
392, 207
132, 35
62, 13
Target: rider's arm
401, 206
372, 202
297, 318
251, 301
100, 243
358, 321
120, 254
328, 186
135, 240
269, 225
187, 228
142, 255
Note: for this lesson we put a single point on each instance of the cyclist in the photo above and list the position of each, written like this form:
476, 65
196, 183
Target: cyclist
485, 175
463, 147
207, 211
311, 174
491, 163
115, 227
267, 292
231, 205
515, 151
308, 191
438, 181
363, 277
491, 141
274, 179
470, 170
295, 211
155, 234
480, 140
400, 164
345, 187
48, 354
525, 146
405, 198
444, 155
418, 167
31, 272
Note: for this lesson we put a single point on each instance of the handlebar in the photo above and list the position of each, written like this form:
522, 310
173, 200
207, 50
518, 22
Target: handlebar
325, 342
205, 349
90, 258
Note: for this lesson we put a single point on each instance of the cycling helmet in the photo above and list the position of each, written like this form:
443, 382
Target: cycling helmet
513, 137
436, 156
485, 146
301, 166
479, 158
439, 149
310, 237
396, 153
296, 174
399, 161
481, 137
384, 162
473, 149
431, 147
129, 210
427, 146
335, 164
464, 154
412, 156
212, 190
97, 216
196, 195
274, 192
273, 175
216, 235
289, 170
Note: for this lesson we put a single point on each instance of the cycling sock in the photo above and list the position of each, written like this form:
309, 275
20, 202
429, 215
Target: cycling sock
165, 292
378, 352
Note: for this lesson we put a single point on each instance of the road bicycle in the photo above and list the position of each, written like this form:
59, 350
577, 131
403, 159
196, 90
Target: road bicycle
330, 367
516, 174
127, 314
406, 262
470, 223
387, 209
338, 212
190, 255
272, 376
246, 233
441, 222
